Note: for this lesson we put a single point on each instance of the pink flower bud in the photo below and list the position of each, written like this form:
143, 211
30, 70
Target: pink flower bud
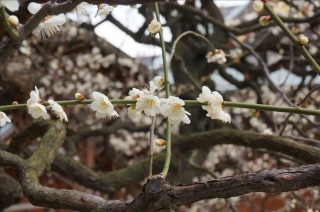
160, 142
79, 96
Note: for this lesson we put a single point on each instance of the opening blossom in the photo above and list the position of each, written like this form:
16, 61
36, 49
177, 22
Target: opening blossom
104, 10
148, 103
215, 105
12, 5
103, 106
217, 56
4, 119
173, 109
159, 82
57, 110
49, 27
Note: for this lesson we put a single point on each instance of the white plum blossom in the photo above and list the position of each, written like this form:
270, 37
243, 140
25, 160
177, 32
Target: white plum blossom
81, 9
34, 97
37, 110
134, 94
173, 109
104, 10
57, 110
148, 103
154, 27
3, 119
102, 106
217, 56
12, 5
49, 27
159, 82
214, 105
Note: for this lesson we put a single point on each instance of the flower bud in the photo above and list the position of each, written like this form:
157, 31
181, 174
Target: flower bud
303, 40
13, 20
133, 6
79, 96
255, 113
114, 5
15, 103
264, 20
160, 142
154, 27
257, 5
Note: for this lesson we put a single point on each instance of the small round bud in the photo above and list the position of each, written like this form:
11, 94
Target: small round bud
255, 113
154, 27
114, 5
133, 6
257, 5
264, 20
160, 142
15, 103
13, 20
79, 96
303, 40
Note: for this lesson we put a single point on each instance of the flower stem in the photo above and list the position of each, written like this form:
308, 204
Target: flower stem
151, 145
187, 103
292, 37
11, 31
167, 89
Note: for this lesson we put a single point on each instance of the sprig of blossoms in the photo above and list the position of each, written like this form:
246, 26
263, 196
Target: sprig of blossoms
102, 106
4, 119
214, 105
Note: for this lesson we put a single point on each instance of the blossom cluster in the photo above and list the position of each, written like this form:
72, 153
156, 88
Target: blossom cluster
171, 108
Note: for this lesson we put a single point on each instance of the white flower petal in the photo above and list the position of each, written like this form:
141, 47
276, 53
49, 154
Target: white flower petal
34, 7
3, 119
12, 5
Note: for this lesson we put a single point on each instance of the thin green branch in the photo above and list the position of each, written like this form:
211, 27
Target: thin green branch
151, 145
11, 31
293, 38
167, 89
188, 103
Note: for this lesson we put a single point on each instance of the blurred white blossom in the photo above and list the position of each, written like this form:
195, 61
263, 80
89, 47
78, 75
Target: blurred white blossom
217, 56
104, 10
3, 119
12, 5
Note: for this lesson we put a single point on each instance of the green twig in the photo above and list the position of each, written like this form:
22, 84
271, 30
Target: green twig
11, 31
167, 89
293, 38
187, 103
151, 145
